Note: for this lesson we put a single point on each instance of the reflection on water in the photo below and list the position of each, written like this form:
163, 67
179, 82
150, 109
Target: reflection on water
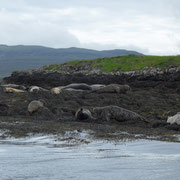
43, 157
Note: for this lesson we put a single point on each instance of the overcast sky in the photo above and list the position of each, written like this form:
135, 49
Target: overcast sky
147, 26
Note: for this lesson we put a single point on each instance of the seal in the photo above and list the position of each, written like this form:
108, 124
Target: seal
36, 89
95, 87
13, 86
73, 90
56, 90
109, 113
83, 114
81, 86
174, 119
113, 88
12, 90
34, 106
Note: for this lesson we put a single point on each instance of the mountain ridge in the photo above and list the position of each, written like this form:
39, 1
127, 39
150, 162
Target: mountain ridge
20, 57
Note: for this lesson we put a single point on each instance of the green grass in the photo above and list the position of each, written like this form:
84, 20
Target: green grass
122, 63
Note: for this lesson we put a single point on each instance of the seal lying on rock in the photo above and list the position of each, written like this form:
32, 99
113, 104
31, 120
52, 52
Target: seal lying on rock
36, 89
111, 112
174, 119
72, 89
113, 88
34, 106
12, 90
56, 90
83, 114
14, 86
97, 86
81, 86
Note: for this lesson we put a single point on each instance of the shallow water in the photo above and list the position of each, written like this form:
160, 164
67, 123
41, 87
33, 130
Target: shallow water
42, 157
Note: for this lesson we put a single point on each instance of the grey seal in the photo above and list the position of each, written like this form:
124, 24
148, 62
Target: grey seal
56, 90
113, 88
13, 90
13, 86
97, 86
36, 89
117, 113
83, 114
34, 106
81, 86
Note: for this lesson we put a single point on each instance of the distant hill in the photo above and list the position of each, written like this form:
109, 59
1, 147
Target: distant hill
27, 57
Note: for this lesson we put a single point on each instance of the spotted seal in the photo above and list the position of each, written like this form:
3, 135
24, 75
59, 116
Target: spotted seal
117, 113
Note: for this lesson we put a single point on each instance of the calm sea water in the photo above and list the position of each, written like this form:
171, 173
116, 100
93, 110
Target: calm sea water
42, 157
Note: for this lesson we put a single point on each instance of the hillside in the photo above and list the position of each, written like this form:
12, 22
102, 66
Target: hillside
114, 64
28, 57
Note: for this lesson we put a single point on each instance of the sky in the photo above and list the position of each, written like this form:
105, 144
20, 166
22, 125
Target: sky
148, 26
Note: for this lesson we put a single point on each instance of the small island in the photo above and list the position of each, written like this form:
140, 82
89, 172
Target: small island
115, 98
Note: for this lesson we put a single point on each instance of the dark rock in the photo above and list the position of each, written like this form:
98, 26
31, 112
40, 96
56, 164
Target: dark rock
173, 127
4, 109
49, 79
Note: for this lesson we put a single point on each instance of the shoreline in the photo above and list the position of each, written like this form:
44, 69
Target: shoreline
154, 96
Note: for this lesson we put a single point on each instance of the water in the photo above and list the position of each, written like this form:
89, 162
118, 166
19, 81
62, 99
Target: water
42, 157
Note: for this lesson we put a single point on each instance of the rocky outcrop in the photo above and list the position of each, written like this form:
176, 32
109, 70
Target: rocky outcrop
48, 79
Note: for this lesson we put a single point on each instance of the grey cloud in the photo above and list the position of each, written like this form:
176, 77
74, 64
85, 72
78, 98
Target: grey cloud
147, 26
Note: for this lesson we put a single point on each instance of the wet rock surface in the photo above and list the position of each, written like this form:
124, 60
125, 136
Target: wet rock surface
152, 96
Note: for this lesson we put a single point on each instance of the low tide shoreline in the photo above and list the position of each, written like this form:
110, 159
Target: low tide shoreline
155, 96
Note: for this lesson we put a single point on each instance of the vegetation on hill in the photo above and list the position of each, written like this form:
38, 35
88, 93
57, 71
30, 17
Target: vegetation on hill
120, 63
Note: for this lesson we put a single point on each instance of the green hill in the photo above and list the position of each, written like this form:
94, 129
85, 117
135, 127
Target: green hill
120, 63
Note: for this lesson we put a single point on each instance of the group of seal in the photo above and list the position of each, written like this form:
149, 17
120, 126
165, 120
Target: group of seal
96, 88
14, 88
78, 87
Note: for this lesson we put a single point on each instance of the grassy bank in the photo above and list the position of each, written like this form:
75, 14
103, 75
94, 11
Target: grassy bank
120, 63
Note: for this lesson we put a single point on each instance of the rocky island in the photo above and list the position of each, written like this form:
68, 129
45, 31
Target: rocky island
137, 103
